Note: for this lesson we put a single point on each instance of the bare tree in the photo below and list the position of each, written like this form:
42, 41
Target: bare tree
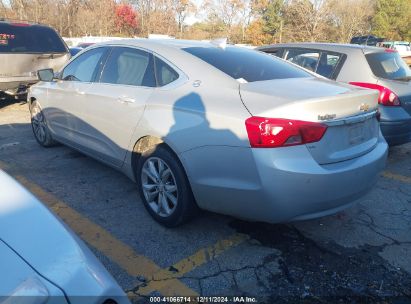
307, 20
182, 9
351, 17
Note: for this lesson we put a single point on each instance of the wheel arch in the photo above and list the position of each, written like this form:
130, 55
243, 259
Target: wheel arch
146, 142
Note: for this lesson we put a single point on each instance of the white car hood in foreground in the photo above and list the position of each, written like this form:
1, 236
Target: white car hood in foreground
39, 238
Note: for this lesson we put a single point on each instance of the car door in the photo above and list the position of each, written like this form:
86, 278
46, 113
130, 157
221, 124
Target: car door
116, 102
68, 95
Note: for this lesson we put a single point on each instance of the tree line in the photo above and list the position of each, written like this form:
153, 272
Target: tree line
253, 22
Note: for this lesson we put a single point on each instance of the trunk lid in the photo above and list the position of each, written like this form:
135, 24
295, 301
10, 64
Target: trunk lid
349, 112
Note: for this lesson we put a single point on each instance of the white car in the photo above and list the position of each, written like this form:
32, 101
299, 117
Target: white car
42, 261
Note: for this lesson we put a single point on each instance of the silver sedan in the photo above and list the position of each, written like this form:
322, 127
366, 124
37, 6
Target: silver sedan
215, 127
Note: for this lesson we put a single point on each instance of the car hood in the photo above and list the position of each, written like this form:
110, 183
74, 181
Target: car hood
19, 279
48, 246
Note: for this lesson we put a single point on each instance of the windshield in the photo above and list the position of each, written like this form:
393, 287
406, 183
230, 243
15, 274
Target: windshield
247, 65
388, 65
29, 39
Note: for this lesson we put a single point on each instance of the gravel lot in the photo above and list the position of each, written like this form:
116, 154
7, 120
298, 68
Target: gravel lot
360, 255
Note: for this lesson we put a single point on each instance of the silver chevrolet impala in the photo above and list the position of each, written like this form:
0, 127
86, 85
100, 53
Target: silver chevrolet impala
215, 127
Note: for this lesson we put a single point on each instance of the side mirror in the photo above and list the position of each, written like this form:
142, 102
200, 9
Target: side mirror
46, 75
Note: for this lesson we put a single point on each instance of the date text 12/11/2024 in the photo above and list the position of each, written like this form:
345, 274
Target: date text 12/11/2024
200, 299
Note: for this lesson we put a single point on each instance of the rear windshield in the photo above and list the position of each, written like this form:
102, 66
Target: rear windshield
388, 65
29, 39
244, 64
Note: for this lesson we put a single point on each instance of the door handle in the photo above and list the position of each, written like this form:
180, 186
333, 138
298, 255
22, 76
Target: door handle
124, 99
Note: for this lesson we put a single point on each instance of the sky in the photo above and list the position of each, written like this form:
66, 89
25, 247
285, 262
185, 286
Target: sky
191, 19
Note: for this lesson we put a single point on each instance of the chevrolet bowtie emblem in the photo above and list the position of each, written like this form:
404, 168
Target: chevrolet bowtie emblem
364, 107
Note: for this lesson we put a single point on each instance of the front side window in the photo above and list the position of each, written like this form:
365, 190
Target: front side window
306, 58
129, 66
248, 65
165, 74
388, 65
84, 67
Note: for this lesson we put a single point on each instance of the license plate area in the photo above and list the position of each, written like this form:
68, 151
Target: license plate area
357, 134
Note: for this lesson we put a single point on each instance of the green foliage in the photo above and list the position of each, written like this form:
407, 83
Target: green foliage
392, 19
271, 17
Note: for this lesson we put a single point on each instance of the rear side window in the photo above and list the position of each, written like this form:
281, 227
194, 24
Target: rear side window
306, 58
328, 64
165, 74
29, 39
244, 64
321, 62
129, 66
84, 67
274, 52
388, 65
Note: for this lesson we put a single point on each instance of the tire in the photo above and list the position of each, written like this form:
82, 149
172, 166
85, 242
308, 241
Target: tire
160, 176
39, 126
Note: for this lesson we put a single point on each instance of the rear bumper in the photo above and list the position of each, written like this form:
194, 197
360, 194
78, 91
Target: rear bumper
279, 185
12, 84
395, 125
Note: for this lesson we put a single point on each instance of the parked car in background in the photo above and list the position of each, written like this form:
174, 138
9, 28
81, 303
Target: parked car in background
79, 48
84, 45
75, 50
366, 40
220, 127
368, 67
402, 47
42, 261
24, 48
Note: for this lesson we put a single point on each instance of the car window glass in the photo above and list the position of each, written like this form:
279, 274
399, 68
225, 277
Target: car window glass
84, 67
305, 58
26, 38
272, 52
388, 65
327, 64
129, 67
165, 73
244, 64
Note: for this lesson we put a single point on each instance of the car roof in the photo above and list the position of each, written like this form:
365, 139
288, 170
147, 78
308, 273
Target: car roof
22, 22
159, 44
336, 47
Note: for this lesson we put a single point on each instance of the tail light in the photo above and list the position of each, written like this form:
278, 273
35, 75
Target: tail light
386, 97
277, 132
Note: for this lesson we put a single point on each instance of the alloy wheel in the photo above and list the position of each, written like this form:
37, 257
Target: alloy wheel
38, 123
159, 186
